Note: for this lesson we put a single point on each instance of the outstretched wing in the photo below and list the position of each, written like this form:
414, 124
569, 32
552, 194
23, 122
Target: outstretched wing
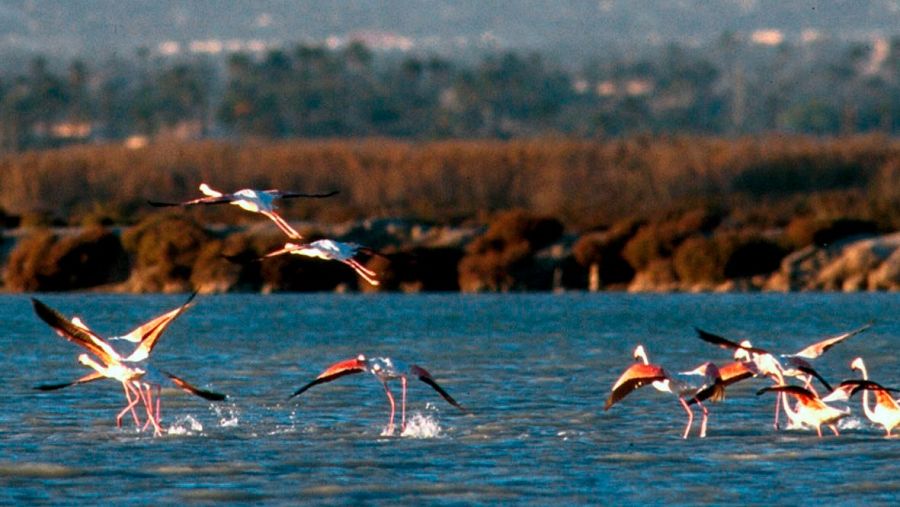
817, 349
73, 332
805, 396
333, 372
635, 377
733, 372
90, 377
809, 370
292, 195
196, 391
725, 343
426, 377
148, 334
200, 200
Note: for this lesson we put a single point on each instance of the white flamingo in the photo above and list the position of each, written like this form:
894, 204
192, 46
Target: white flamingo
136, 376
329, 249
696, 386
254, 201
385, 369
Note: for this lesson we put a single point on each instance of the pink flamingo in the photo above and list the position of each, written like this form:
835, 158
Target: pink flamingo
385, 369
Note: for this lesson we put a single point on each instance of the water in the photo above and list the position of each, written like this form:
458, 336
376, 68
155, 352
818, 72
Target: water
533, 369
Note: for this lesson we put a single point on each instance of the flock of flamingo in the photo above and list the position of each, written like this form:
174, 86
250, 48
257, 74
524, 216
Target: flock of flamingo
140, 380
707, 382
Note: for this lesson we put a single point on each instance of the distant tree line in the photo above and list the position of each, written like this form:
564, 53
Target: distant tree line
731, 88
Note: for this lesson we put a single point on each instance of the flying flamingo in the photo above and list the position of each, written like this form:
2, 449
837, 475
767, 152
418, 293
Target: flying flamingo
146, 335
810, 409
683, 385
886, 411
764, 363
136, 376
328, 249
384, 369
255, 201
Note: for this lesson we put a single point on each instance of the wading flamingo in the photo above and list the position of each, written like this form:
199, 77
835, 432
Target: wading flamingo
133, 372
763, 363
886, 410
810, 409
328, 249
255, 201
384, 369
698, 385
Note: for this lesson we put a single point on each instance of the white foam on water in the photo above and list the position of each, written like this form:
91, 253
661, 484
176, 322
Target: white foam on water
228, 416
850, 423
421, 426
185, 425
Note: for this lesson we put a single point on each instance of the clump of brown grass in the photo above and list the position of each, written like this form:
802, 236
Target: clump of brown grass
45, 262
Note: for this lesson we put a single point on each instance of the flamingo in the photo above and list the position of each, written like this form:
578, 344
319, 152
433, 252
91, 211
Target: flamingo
810, 409
681, 385
385, 369
133, 372
328, 249
886, 411
255, 201
764, 363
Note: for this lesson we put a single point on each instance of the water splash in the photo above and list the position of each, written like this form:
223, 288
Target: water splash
422, 426
229, 416
185, 425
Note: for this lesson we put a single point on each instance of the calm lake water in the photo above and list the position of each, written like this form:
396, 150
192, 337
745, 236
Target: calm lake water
533, 369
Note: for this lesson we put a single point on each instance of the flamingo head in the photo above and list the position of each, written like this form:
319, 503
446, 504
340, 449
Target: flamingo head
84, 359
640, 354
857, 364
743, 354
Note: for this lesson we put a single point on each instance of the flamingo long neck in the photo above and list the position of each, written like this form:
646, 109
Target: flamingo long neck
870, 412
641, 354
89, 362
793, 413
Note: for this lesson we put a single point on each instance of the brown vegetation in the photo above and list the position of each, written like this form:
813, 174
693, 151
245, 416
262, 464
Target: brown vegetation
672, 212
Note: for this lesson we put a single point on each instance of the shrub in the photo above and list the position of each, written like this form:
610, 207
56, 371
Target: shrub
44, 262
165, 249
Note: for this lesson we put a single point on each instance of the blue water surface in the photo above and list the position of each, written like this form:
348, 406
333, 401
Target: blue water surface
533, 369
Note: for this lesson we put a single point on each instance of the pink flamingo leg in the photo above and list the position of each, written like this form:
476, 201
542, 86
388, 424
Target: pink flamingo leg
128, 408
157, 431
147, 396
282, 224
390, 428
361, 271
704, 420
158, 404
403, 405
834, 429
687, 409
777, 409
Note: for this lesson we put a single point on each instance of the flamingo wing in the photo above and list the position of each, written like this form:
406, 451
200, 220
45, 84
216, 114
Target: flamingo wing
803, 395
817, 349
725, 343
90, 377
635, 377
73, 332
196, 391
426, 377
733, 372
809, 370
148, 334
334, 372
200, 200
292, 195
